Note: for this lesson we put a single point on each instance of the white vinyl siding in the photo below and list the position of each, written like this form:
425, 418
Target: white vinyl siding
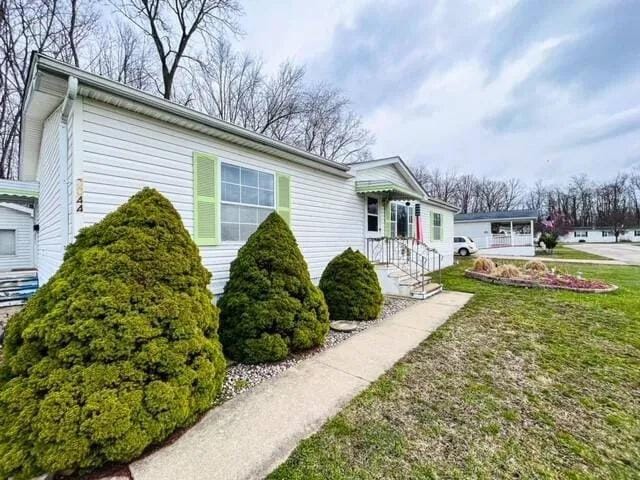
386, 172
16, 228
124, 151
445, 244
50, 244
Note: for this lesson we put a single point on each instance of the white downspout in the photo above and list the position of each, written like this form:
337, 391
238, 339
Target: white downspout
67, 103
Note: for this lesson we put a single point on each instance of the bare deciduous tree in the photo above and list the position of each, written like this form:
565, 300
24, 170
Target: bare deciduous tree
26, 25
233, 87
124, 56
172, 25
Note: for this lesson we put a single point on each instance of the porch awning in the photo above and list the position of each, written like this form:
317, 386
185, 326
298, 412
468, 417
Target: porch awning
18, 189
391, 190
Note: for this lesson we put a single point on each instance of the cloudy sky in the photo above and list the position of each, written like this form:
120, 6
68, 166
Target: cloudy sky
535, 89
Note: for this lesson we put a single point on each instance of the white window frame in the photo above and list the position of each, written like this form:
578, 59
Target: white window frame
636, 233
367, 215
436, 228
581, 234
271, 208
15, 240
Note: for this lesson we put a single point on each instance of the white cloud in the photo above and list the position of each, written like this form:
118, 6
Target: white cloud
293, 29
468, 85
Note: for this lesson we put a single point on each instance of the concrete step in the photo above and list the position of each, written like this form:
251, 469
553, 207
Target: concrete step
429, 290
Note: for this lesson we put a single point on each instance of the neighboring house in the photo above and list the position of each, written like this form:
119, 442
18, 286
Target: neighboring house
600, 235
89, 143
499, 233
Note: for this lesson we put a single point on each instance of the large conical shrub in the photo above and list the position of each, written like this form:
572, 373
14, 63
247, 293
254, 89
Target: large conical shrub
117, 350
351, 288
269, 307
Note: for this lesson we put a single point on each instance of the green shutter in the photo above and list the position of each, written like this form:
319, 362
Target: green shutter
387, 219
206, 199
284, 196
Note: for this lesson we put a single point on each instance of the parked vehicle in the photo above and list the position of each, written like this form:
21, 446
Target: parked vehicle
464, 246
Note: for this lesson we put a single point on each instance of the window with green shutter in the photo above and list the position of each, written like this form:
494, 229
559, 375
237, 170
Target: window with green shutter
206, 199
284, 197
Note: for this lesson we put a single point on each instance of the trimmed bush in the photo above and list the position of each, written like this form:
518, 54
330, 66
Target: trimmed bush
550, 240
117, 350
507, 271
484, 265
351, 289
535, 266
269, 307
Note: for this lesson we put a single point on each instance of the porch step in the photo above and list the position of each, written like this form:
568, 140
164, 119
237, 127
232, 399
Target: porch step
408, 280
430, 290
17, 286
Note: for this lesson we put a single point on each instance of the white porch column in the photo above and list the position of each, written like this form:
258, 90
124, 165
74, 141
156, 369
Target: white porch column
531, 232
511, 233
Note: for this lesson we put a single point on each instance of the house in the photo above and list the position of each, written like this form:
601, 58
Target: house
507, 232
600, 235
89, 143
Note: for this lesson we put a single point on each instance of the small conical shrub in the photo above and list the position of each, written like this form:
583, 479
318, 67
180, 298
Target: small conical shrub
269, 307
117, 350
351, 288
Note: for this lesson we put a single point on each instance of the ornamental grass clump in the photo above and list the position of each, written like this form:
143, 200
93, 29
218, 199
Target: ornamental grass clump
270, 308
116, 351
507, 271
351, 289
535, 266
483, 265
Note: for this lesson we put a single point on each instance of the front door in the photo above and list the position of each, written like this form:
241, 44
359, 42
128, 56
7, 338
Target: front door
374, 221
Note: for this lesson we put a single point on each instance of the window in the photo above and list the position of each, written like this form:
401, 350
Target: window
7, 242
437, 226
372, 214
247, 199
458, 240
580, 234
607, 234
636, 233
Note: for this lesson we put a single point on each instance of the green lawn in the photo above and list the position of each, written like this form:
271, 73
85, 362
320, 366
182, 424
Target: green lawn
564, 252
521, 383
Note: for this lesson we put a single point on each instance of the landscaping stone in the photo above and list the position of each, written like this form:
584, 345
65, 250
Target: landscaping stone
344, 326
249, 436
241, 377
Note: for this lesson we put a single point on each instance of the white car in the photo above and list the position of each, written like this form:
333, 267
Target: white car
464, 246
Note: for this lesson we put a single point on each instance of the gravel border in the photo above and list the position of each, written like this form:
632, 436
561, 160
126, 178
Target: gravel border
241, 377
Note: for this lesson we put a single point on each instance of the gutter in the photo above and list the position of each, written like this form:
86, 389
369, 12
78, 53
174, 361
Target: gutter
94, 81
443, 204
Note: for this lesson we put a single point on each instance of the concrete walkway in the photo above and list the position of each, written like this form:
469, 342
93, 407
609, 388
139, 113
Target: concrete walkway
623, 252
250, 435
560, 260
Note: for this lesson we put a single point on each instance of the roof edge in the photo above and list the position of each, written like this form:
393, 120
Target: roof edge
56, 67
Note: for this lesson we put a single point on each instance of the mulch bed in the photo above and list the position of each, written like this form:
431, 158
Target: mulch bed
547, 280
